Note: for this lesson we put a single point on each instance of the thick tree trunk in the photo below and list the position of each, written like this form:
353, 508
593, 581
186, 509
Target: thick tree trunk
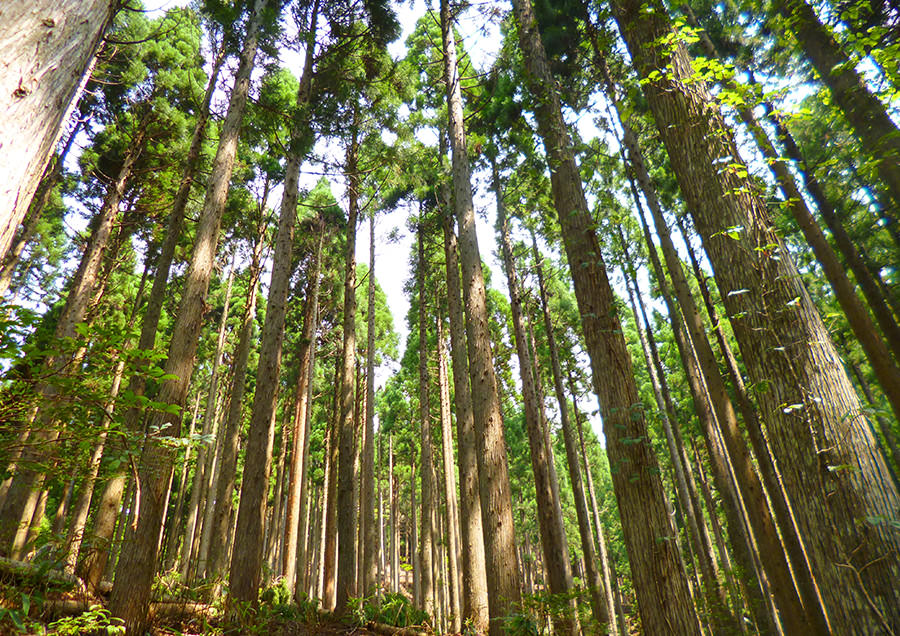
813, 414
105, 517
601, 606
664, 607
494, 490
49, 181
47, 48
794, 615
137, 565
771, 477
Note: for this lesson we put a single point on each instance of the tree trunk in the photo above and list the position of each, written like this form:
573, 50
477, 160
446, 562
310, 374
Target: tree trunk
295, 554
812, 412
248, 548
47, 49
49, 181
225, 485
27, 482
426, 440
346, 511
603, 612
553, 535
794, 615
451, 527
330, 521
370, 541
474, 577
664, 607
105, 517
137, 565
684, 479
494, 489
188, 563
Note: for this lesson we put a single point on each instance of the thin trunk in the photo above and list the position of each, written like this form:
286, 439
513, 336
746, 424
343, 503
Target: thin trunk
295, 554
552, 533
451, 525
794, 615
330, 520
865, 113
771, 477
426, 461
134, 575
225, 486
82, 507
207, 431
369, 544
171, 552
601, 599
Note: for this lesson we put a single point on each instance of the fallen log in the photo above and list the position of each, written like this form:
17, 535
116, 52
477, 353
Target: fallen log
390, 630
162, 611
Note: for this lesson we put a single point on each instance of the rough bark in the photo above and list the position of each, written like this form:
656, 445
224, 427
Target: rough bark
294, 552
474, 577
105, 517
248, 547
553, 537
639, 493
347, 439
603, 612
793, 614
369, 544
451, 527
207, 430
832, 468
426, 461
494, 490
46, 48
225, 486
137, 564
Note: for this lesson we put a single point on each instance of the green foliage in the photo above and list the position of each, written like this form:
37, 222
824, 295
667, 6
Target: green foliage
392, 608
96, 621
